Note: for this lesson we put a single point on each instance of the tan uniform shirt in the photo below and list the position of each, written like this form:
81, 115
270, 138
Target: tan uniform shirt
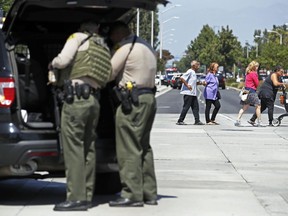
141, 64
67, 54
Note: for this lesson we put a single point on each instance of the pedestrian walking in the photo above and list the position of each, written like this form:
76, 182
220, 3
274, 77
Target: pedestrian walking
134, 68
80, 58
189, 92
268, 92
212, 94
251, 84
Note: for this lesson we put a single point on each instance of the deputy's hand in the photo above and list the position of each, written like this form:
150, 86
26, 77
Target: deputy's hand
51, 77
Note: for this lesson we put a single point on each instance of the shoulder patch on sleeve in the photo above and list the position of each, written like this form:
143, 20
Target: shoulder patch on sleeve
71, 37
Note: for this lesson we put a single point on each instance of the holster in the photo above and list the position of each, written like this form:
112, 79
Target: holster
126, 98
68, 92
134, 93
126, 105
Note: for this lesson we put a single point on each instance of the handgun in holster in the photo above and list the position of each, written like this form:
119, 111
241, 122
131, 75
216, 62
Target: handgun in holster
68, 91
134, 95
126, 105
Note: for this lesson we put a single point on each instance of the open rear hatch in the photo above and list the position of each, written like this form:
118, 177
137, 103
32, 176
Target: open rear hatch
60, 15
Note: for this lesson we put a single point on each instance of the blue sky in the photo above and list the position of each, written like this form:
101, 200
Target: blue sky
243, 18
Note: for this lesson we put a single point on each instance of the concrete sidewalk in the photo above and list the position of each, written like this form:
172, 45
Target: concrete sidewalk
222, 169
218, 170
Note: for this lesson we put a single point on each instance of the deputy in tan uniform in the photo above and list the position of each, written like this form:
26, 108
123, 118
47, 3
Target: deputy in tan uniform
134, 62
83, 52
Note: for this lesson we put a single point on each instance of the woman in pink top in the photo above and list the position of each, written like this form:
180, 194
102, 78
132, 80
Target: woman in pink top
251, 84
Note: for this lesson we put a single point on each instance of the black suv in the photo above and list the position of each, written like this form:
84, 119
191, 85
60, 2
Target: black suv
34, 32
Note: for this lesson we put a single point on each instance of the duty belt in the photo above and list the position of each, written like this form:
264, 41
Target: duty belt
79, 90
146, 91
89, 89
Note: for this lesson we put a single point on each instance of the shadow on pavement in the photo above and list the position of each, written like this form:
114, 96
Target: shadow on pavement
22, 191
36, 191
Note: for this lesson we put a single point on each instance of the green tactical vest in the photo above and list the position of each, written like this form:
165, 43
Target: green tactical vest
93, 62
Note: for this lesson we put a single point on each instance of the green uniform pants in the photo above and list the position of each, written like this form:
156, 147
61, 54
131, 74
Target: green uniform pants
78, 133
134, 153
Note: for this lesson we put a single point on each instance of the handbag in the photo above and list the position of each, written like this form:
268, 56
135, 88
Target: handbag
243, 94
218, 95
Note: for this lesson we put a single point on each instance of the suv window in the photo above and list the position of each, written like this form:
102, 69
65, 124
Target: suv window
22, 51
4, 65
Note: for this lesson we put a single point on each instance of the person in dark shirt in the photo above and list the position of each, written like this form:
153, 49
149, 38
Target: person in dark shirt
268, 92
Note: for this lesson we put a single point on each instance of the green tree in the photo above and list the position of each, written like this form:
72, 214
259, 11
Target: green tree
145, 25
270, 51
204, 49
5, 5
229, 48
273, 54
211, 47
145, 33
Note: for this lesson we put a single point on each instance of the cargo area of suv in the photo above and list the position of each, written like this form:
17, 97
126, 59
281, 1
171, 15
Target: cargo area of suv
34, 32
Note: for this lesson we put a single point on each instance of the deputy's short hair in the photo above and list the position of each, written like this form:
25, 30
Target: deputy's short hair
89, 26
119, 25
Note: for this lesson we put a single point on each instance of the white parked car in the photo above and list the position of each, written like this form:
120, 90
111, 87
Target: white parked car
157, 80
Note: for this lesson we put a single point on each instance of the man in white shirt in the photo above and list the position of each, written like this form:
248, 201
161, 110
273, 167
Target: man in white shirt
189, 91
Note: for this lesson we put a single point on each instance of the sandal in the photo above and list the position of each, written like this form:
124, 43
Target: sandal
215, 123
210, 123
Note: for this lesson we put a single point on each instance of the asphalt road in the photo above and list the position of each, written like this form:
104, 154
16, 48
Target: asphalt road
172, 102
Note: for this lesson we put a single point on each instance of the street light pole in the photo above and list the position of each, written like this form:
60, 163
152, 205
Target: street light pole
161, 33
258, 36
168, 31
161, 26
256, 50
247, 49
138, 21
152, 29
280, 35
257, 45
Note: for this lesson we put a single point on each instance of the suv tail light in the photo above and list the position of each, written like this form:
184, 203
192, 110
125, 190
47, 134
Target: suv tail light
7, 91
